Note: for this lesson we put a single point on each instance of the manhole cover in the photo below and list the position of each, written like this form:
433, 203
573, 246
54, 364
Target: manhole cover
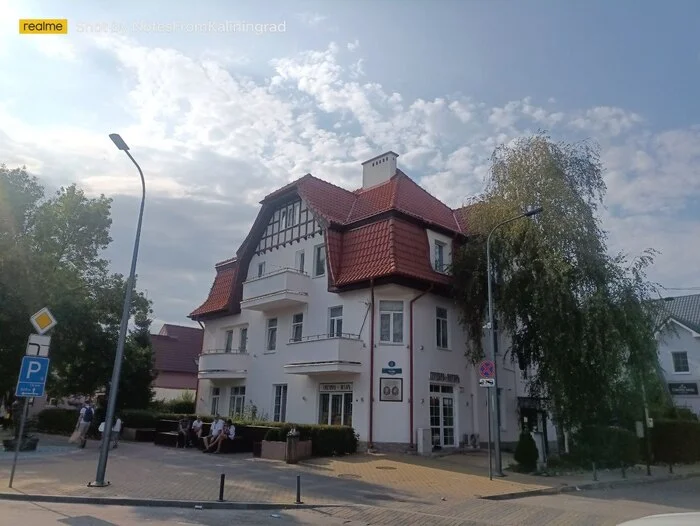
348, 476
385, 467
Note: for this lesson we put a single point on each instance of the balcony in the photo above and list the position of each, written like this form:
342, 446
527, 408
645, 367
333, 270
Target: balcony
279, 289
217, 364
325, 354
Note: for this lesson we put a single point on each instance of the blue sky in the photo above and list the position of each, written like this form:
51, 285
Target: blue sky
220, 118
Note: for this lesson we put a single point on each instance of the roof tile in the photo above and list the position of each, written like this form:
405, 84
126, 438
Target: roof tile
176, 347
221, 290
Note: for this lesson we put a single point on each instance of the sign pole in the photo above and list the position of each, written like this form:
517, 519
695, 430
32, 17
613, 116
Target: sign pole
25, 408
488, 413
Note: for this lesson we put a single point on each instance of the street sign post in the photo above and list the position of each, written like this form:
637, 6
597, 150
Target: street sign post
43, 321
38, 345
487, 374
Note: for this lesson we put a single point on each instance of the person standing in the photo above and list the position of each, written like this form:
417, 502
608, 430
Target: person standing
87, 413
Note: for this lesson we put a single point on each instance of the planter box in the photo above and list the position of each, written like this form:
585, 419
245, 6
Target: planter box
278, 450
138, 435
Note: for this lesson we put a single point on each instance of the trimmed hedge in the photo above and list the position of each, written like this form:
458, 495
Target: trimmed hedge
526, 454
676, 441
57, 421
608, 447
326, 441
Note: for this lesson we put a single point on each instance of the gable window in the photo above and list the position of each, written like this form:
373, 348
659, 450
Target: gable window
391, 321
261, 269
441, 327
320, 260
243, 345
236, 401
228, 344
440, 256
297, 326
680, 362
279, 413
300, 261
215, 395
271, 334
335, 315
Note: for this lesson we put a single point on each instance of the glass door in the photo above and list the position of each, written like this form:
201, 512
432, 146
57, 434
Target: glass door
335, 409
442, 417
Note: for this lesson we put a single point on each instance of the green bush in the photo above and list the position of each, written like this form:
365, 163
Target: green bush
607, 446
57, 421
139, 418
326, 441
179, 406
676, 441
526, 453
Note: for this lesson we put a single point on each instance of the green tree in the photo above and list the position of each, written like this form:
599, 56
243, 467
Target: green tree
51, 254
578, 318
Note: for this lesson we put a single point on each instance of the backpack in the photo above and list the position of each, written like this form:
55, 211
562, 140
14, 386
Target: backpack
87, 417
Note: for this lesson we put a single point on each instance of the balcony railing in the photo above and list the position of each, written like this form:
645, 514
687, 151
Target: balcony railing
223, 364
280, 288
317, 337
222, 351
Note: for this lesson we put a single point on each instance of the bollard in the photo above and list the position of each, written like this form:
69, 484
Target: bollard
299, 490
221, 487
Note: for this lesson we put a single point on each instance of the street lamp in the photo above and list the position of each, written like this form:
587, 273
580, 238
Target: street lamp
493, 391
126, 314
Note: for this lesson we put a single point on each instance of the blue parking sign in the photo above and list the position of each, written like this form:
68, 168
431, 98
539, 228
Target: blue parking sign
32, 377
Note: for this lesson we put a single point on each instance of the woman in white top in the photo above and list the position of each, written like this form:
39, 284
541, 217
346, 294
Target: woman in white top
116, 431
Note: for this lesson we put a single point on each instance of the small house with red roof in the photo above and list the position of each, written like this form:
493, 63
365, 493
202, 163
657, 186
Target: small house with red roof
336, 309
176, 350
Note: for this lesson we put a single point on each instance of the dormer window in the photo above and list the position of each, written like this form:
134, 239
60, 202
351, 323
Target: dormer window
440, 256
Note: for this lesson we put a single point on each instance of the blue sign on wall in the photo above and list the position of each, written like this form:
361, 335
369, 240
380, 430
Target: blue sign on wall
32, 377
391, 370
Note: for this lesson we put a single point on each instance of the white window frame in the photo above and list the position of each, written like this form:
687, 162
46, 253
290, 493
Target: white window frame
320, 270
440, 248
335, 323
284, 219
271, 327
228, 340
300, 261
297, 323
215, 400
279, 402
261, 269
392, 314
442, 328
673, 361
236, 394
243, 339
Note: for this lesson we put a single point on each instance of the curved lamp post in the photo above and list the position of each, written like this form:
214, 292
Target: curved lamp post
126, 314
493, 391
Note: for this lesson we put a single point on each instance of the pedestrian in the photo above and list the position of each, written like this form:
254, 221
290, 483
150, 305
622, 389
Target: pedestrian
116, 431
87, 413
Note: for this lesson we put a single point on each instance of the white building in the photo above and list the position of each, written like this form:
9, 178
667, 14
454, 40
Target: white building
336, 309
679, 350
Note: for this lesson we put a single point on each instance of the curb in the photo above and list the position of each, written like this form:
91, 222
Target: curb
590, 486
158, 503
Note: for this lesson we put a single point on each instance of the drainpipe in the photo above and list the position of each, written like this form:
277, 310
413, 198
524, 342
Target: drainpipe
371, 364
410, 363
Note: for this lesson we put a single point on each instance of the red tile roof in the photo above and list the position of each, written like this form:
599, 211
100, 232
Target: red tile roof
176, 347
221, 291
389, 246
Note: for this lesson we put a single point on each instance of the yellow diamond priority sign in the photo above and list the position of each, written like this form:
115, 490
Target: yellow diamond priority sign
43, 320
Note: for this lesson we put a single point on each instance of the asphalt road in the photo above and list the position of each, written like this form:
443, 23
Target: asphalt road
608, 507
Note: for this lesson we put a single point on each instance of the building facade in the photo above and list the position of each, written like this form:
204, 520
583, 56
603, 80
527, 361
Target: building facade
679, 350
176, 349
336, 309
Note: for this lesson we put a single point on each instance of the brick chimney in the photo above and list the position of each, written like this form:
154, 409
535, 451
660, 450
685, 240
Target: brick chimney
379, 169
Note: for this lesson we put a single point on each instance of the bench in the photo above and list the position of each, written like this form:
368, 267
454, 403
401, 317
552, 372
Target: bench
166, 433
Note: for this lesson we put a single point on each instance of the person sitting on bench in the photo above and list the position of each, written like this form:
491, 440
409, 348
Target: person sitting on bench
216, 428
228, 433
196, 430
183, 431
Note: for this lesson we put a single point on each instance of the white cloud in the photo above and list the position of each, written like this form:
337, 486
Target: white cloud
312, 19
214, 141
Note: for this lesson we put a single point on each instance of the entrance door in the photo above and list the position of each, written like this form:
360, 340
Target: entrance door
335, 409
442, 416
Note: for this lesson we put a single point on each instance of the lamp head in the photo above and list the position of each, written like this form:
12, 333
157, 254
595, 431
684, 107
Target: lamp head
119, 142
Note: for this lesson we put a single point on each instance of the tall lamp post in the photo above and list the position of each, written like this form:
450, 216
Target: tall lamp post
494, 404
126, 314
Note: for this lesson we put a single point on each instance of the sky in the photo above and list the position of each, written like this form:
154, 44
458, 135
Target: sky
222, 102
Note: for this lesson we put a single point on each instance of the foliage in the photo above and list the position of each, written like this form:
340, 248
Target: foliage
607, 446
580, 321
182, 404
51, 254
326, 440
57, 421
676, 441
526, 453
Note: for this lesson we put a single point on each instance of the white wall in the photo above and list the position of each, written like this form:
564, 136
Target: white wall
675, 338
